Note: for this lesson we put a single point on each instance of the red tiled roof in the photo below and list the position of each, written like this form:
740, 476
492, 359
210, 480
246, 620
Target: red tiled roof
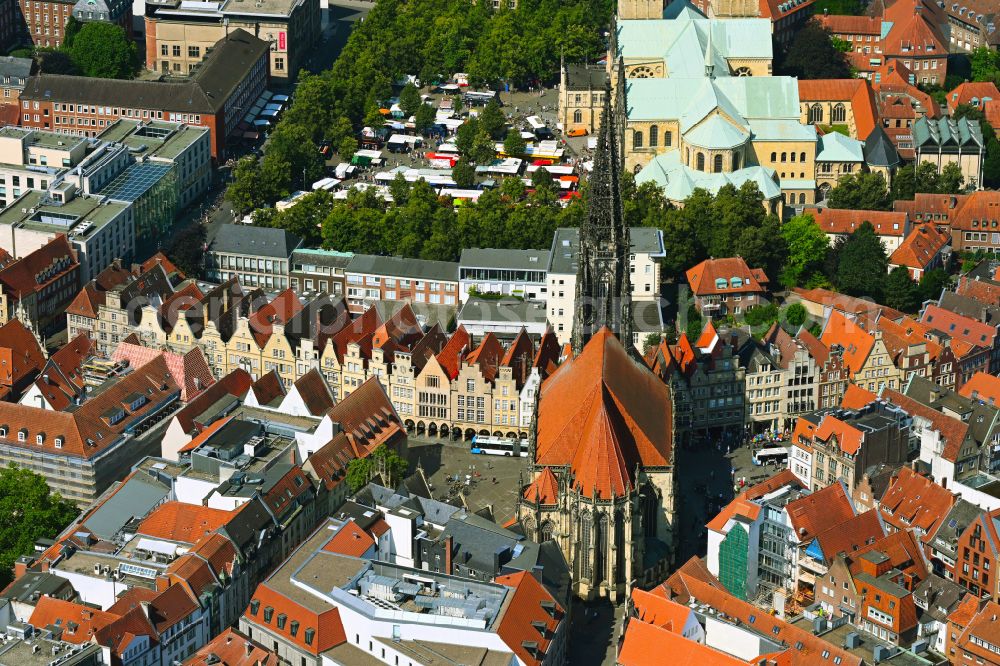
61, 380
350, 540
704, 278
91, 428
972, 93
284, 306
547, 356
190, 371
315, 392
160, 259
815, 513
21, 357
856, 397
806, 648
518, 357
367, 417
844, 303
915, 502
780, 480
327, 630
205, 435
842, 24
236, 383
857, 92
850, 535
738, 507
187, 297
454, 350
848, 437
359, 330
952, 431
982, 628
231, 648
983, 387
179, 521
920, 248
526, 619
87, 302
958, 326
646, 645
268, 388
35, 272
401, 329
856, 341
975, 209
486, 356
709, 337
544, 489
602, 414
846, 221
658, 611
80, 623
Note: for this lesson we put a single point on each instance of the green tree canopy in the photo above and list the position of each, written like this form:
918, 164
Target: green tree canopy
464, 174
514, 144
807, 246
383, 462
795, 314
862, 264
103, 50
985, 63
30, 511
900, 291
409, 99
860, 191
492, 119
813, 55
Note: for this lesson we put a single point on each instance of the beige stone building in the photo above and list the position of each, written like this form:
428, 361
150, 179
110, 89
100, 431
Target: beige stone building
179, 34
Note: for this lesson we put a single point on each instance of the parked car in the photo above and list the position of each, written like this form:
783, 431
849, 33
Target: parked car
579, 131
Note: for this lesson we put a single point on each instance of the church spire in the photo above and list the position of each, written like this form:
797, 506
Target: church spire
603, 284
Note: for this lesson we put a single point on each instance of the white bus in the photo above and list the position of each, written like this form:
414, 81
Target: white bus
499, 446
775, 456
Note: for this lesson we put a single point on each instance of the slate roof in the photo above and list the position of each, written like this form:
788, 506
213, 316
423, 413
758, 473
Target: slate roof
254, 241
417, 269
879, 150
207, 92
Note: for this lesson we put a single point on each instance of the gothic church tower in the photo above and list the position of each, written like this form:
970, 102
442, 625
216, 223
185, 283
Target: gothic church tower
603, 283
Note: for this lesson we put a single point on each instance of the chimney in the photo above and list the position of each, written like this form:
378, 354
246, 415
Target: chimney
249, 647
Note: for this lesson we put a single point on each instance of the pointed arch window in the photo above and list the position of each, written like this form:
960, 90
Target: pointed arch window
717, 164
815, 114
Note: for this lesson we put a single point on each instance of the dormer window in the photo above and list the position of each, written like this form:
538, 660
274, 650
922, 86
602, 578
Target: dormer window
3, 431
58, 442
40, 438
22, 435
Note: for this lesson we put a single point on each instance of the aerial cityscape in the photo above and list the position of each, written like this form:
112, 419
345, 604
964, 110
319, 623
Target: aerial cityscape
499, 332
